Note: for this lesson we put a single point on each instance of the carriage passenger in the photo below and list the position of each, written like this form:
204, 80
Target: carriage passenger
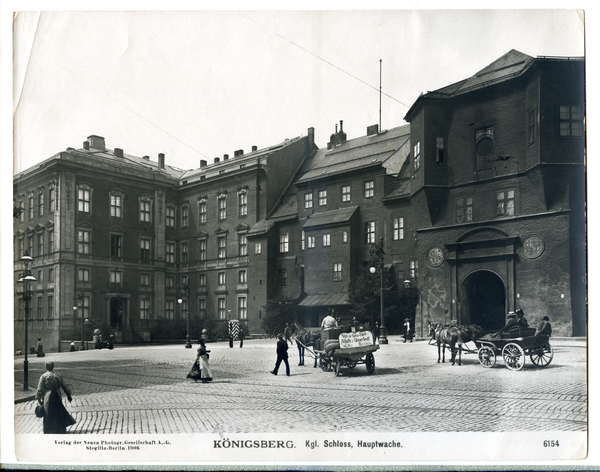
329, 322
521, 319
545, 328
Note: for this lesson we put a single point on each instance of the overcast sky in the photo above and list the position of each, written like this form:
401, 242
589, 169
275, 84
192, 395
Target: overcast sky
197, 85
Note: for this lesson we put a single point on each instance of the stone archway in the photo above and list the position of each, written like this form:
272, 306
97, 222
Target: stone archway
483, 297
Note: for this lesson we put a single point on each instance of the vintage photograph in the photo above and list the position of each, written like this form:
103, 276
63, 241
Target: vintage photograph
299, 236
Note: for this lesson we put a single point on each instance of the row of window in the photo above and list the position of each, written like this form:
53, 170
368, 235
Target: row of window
41, 203
116, 276
145, 206
310, 242
505, 206
368, 188
84, 246
83, 310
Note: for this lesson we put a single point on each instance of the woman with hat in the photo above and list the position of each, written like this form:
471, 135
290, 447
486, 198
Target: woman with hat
56, 417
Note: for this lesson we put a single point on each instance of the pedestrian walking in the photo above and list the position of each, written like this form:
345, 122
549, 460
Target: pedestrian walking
407, 330
73, 348
282, 355
200, 368
241, 335
49, 396
377, 331
110, 344
40, 348
545, 328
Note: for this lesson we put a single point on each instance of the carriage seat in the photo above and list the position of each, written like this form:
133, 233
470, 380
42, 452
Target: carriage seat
519, 332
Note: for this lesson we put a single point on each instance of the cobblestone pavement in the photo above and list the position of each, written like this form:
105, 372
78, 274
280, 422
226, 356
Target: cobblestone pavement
144, 390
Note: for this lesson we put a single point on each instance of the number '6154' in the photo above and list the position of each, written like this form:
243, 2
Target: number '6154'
551, 443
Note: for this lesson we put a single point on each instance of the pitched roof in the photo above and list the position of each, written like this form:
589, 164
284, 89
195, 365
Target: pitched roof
355, 154
340, 215
510, 65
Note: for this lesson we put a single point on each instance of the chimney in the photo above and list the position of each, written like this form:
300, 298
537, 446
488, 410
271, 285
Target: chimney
202, 163
225, 157
97, 142
118, 152
161, 161
337, 138
311, 138
217, 160
241, 152
86, 145
254, 148
373, 129
146, 157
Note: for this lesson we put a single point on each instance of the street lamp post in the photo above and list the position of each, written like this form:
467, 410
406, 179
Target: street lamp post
26, 279
185, 288
378, 254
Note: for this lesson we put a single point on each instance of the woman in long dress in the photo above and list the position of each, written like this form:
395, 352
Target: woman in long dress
40, 348
200, 369
56, 416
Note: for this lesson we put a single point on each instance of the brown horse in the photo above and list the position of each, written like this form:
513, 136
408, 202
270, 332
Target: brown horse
450, 336
305, 338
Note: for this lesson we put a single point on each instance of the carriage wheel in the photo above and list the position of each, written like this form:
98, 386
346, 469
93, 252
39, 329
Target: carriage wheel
542, 356
487, 356
351, 365
336, 368
325, 364
370, 363
513, 355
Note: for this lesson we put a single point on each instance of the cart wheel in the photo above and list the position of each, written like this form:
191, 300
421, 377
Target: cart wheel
513, 355
370, 363
336, 368
351, 365
325, 364
487, 356
542, 356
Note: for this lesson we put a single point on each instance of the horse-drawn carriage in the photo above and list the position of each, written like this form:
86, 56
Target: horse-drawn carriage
337, 349
513, 346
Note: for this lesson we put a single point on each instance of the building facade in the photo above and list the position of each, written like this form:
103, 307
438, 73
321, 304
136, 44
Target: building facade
123, 241
479, 203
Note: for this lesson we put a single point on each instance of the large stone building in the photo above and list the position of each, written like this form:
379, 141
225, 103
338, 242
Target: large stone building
479, 202
119, 240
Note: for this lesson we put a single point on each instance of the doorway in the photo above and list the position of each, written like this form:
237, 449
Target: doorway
483, 297
116, 313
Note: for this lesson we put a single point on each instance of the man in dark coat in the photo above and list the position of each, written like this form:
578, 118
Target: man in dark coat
521, 319
282, 355
511, 324
241, 335
545, 328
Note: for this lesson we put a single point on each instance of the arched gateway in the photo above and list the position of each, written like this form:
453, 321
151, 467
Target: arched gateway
483, 299
483, 277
